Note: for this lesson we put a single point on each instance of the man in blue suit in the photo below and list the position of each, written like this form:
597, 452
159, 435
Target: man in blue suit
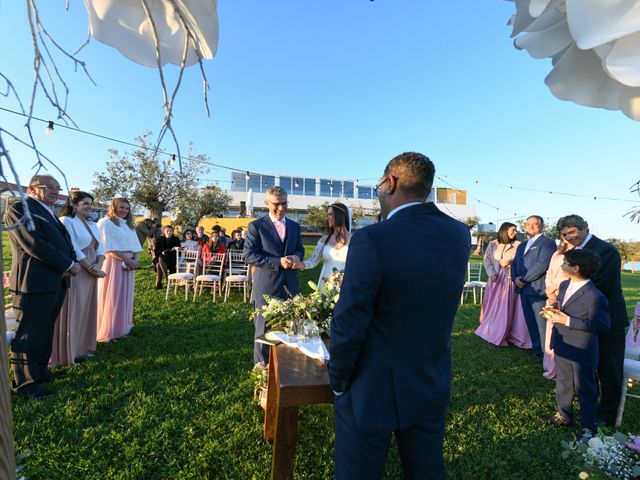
273, 245
610, 367
528, 272
390, 365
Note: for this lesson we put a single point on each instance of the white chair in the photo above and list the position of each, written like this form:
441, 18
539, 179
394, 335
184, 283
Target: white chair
186, 269
238, 274
474, 283
211, 276
631, 370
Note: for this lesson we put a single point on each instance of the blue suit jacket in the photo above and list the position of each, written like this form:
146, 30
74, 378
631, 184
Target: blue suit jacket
589, 312
533, 266
391, 331
263, 249
607, 279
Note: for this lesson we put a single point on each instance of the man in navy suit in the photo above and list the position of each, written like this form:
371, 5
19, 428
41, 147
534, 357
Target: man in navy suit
610, 367
273, 245
528, 272
41, 262
390, 365
584, 312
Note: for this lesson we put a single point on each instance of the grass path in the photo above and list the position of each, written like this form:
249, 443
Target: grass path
174, 401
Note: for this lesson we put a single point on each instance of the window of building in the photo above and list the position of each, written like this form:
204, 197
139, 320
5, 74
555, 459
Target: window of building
347, 189
328, 189
238, 182
267, 181
364, 192
254, 182
285, 182
297, 186
310, 187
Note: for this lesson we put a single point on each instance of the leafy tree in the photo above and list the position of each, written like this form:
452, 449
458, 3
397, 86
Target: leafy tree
317, 216
627, 250
210, 200
471, 222
147, 178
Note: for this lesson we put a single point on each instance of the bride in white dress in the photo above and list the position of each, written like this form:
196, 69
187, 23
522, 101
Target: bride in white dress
333, 245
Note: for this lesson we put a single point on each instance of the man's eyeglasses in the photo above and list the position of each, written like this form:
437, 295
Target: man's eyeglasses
49, 187
379, 186
279, 204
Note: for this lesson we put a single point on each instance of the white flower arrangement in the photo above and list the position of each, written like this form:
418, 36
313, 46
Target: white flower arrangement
616, 456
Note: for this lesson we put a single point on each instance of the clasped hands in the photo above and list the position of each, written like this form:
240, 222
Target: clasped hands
291, 262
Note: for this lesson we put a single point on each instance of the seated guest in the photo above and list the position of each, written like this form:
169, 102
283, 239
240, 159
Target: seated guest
584, 312
200, 236
214, 245
165, 255
189, 242
237, 243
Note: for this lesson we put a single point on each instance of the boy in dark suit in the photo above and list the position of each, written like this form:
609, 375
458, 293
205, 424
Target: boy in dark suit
583, 314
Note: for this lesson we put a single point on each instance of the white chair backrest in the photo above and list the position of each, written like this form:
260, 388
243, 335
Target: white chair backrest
186, 261
214, 265
474, 272
237, 265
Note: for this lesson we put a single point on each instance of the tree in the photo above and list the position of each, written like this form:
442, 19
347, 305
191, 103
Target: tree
147, 179
210, 200
316, 216
471, 222
627, 250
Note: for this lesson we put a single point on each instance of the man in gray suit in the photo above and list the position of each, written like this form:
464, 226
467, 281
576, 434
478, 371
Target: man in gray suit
41, 262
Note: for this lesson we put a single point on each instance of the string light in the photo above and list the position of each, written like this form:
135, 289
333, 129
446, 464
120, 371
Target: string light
49, 130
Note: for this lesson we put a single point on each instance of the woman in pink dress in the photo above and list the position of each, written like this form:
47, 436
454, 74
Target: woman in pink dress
633, 335
552, 281
74, 334
115, 291
501, 318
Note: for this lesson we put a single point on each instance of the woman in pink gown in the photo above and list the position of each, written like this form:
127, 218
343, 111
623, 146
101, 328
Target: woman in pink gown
115, 291
552, 281
633, 335
501, 318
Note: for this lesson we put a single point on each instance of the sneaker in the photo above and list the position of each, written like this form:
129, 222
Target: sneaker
558, 420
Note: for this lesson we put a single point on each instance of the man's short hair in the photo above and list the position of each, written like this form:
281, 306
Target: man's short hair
587, 261
166, 227
38, 179
571, 221
276, 191
216, 228
415, 172
537, 217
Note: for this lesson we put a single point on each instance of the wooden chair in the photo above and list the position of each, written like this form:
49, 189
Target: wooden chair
238, 274
474, 283
211, 276
186, 270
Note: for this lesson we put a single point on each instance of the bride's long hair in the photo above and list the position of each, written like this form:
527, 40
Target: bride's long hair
340, 221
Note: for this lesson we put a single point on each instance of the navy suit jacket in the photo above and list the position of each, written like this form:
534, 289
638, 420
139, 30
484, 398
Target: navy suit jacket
589, 312
38, 258
391, 331
607, 279
533, 266
263, 249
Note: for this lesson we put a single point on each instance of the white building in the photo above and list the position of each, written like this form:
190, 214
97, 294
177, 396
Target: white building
248, 193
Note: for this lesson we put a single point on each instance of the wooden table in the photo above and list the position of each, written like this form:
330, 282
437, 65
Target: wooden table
294, 380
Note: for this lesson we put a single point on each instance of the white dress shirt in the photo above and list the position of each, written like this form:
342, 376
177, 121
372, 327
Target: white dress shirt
530, 242
573, 287
397, 209
585, 241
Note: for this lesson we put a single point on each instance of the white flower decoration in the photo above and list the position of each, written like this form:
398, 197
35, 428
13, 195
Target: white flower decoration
594, 46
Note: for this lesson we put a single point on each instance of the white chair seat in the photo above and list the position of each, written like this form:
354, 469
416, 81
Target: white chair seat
208, 278
237, 278
181, 276
475, 284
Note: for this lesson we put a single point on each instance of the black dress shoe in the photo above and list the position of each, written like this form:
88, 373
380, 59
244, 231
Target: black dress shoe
33, 391
158, 286
47, 377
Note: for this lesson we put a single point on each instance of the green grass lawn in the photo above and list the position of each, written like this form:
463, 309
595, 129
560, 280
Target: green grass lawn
174, 401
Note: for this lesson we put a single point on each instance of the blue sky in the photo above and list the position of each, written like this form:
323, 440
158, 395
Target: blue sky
337, 88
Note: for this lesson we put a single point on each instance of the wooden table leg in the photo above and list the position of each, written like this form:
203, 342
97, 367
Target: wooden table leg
272, 399
284, 443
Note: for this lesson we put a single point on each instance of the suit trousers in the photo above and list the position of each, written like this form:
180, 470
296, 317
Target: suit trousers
36, 315
573, 377
610, 374
536, 324
260, 350
361, 455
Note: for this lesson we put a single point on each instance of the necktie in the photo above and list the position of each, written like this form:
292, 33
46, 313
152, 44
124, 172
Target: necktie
280, 230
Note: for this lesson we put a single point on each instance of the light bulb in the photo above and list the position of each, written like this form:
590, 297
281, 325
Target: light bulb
49, 130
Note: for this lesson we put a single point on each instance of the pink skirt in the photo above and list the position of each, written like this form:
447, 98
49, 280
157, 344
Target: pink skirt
74, 334
633, 335
115, 301
501, 318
